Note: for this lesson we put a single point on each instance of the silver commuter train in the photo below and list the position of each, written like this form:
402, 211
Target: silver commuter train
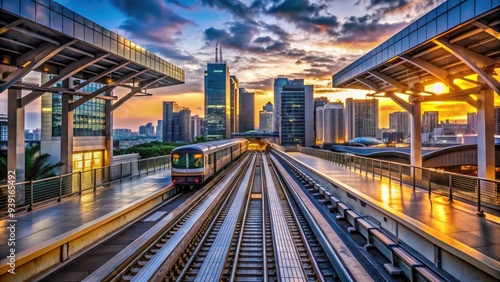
195, 163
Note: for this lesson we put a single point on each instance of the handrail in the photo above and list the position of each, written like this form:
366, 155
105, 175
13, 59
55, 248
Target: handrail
477, 190
52, 189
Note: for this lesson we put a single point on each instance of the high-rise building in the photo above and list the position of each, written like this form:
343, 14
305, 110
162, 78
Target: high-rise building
472, 123
297, 114
278, 87
176, 123
318, 119
4, 128
496, 114
235, 105
247, 110
181, 126
333, 123
196, 126
430, 120
319, 125
159, 129
361, 118
266, 118
169, 108
142, 130
217, 100
400, 122
150, 129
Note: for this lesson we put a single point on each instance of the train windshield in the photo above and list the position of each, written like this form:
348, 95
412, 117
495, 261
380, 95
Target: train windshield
187, 160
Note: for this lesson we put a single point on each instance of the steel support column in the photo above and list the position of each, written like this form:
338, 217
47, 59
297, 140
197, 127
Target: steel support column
108, 108
416, 134
15, 144
15, 117
485, 134
66, 135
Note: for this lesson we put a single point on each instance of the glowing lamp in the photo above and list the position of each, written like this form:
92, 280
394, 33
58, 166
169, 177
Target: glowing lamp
438, 88
6, 60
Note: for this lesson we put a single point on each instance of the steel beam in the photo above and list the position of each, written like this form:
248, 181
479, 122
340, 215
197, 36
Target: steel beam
133, 92
100, 75
474, 61
34, 59
67, 72
106, 88
6, 27
369, 83
388, 80
487, 29
402, 103
438, 73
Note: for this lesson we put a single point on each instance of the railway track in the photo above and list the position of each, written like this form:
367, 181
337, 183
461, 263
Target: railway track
245, 228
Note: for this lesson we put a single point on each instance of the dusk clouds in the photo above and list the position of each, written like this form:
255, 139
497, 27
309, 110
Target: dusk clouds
263, 39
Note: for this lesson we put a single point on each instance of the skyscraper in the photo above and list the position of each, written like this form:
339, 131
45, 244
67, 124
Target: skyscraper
361, 118
159, 129
318, 119
297, 114
472, 122
196, 126
430, 120
176, 123
266, 118
400, 122
169, 108
278, 87
217, 100
247, 110
319, 125
235, 105
496, 114
333, 123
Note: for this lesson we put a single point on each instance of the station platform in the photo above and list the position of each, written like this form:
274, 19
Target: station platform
457, 221
42, 224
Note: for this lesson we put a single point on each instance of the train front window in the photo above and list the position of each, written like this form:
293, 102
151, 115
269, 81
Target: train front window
179, 160
195, 160
187, 160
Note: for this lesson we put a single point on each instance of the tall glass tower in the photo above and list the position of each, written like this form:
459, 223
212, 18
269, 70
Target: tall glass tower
217, 100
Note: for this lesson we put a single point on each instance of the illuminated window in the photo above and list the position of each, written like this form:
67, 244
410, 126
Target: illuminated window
87, 161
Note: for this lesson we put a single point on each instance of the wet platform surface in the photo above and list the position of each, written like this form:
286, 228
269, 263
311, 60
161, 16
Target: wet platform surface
45, 223
456, 220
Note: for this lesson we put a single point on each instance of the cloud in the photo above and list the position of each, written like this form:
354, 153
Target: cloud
308, 16
244, 36
366, 29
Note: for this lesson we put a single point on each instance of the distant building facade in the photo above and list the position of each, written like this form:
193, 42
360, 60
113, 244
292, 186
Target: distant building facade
361, 118
217, 100
400, 122
266, 118
297, 114
334, 123
472, 123
234, 104
496, 115
430, 120
196, 126
176, 123
159, 129
318, 119
247, 110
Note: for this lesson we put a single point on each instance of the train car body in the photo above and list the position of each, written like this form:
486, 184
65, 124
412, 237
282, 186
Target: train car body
193, 164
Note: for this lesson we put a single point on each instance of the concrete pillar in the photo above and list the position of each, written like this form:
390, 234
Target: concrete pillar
485, 134
416, 134
66, 135
108, 155
15, 131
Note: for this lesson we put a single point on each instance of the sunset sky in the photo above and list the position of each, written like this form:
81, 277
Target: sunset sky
261, 40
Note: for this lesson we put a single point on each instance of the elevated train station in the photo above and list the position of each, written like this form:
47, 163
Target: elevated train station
457, 44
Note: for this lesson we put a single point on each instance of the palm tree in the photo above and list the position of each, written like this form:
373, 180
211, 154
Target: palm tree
36, 165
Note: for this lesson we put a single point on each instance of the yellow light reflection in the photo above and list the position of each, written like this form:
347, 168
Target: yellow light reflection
385, 193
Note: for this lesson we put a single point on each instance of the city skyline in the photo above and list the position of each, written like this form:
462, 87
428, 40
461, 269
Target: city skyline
295, 39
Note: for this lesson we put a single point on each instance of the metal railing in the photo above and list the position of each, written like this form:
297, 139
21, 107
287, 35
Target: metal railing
28, 194
479, 191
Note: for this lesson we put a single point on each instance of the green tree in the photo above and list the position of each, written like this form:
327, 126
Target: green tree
201, 138
37, 165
